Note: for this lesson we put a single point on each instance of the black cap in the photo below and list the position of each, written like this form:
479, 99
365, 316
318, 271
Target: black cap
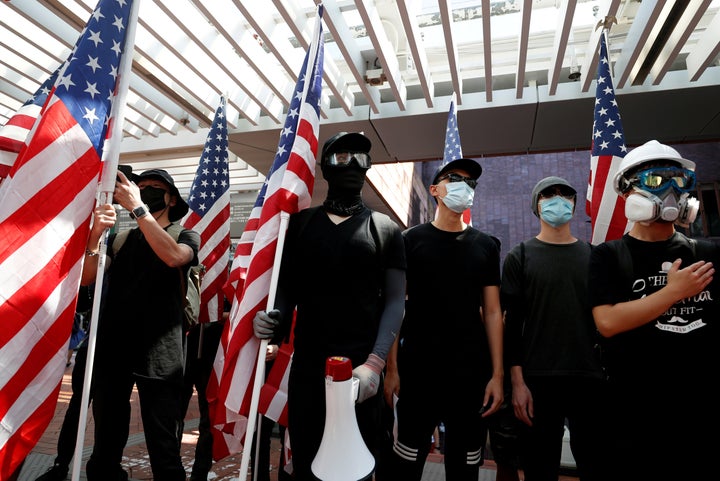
346, 142
473, 169
181, 207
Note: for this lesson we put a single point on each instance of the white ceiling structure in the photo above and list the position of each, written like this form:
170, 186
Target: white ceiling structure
523, 70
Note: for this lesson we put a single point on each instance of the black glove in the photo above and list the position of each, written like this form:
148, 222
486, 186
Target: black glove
265, 323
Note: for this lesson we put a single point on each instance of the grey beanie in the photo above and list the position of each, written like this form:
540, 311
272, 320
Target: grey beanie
544, 184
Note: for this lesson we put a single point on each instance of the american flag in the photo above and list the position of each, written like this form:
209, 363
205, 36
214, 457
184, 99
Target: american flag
14, 133
605, 208
288, 188
209, 215
46, 204
273, 395
453, 148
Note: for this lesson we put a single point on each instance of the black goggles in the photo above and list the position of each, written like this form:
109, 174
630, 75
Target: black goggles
555, 190
343, 159
659, 179
453, 177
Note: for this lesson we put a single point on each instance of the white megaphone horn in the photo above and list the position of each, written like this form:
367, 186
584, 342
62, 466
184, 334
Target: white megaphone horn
343, 455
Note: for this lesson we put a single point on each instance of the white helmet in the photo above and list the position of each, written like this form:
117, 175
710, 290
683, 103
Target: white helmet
649, 151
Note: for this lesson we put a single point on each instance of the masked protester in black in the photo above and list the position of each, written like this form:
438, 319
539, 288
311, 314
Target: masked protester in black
140, 336
343, 268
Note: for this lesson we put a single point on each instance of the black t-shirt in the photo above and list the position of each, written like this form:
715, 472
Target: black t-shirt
335, 275
678, 351
549, 328
442, 329
141, 324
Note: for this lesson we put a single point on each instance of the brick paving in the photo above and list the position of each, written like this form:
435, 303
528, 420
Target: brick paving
136, 460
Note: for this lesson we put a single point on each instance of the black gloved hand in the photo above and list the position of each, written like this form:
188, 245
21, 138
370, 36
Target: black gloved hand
265, 323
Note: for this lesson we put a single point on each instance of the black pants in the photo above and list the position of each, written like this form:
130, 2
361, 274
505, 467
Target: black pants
465, 435
202, 344
161, 412
69, 430
582, 402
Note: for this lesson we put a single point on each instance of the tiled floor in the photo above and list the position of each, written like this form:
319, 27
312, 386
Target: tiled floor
136, 460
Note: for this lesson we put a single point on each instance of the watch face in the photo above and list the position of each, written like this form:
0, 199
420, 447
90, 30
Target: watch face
138, 212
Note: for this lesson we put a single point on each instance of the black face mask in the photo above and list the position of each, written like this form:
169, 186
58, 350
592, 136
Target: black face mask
344, 186
154, 197
344, 182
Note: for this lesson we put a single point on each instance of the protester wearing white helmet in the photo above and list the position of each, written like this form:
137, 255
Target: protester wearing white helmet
649, 171
654, 296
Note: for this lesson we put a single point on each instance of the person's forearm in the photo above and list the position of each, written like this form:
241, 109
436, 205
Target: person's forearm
612, 319
393, 311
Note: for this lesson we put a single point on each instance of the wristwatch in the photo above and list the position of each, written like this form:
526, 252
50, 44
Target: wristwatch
138, 212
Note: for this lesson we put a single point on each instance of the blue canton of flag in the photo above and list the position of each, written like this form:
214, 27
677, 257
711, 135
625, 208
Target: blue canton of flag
608, 137
211, 179
209, 216
453, 149
87, 80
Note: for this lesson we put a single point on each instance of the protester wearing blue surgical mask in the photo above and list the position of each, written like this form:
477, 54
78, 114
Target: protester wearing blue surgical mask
453, 275
557, 205
549, 341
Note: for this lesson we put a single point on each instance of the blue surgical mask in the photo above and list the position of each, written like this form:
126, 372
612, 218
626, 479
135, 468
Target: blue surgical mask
556, 210
459, 196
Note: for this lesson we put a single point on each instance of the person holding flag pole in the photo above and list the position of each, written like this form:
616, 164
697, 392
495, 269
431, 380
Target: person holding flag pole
343, 269
141, 334
253, 277
140, 338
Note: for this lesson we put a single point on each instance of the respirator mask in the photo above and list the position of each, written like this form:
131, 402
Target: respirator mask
662, 193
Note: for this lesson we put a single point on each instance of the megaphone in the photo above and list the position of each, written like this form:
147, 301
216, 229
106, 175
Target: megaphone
343, 455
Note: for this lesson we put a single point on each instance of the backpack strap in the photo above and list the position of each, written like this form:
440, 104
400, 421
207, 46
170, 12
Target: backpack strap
624, 259
522, 263
173, 229
119, 241
381, 228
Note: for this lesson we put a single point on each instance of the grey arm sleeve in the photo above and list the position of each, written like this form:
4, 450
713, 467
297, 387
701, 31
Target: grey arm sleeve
393, 313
